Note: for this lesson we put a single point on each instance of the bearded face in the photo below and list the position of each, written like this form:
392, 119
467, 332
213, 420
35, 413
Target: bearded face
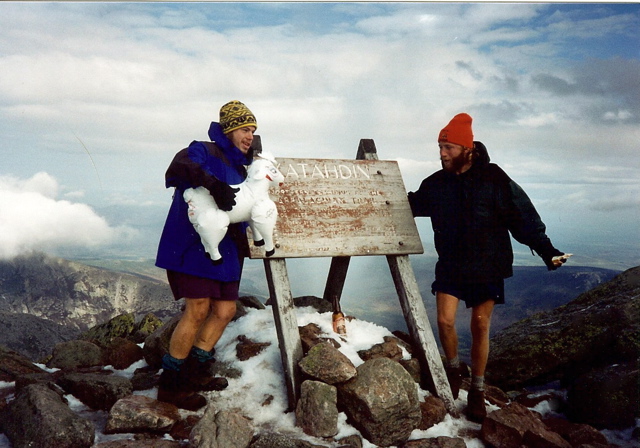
455, 158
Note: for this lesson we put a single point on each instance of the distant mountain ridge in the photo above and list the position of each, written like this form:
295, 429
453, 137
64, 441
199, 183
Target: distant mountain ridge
78, 296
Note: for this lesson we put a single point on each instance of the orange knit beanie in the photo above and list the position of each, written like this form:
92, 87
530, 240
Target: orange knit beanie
458, 131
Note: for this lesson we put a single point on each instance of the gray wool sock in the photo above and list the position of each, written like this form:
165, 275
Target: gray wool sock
477, 382
453, 363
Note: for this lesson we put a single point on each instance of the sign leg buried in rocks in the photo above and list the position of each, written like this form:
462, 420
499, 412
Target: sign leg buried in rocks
339, 209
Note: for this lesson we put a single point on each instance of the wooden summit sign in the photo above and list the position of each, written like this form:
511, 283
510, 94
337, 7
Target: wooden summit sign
339, 209
332, 208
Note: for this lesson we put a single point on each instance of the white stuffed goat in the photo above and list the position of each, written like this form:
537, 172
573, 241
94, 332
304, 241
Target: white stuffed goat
253, 205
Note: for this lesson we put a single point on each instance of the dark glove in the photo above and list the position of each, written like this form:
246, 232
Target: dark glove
223, 194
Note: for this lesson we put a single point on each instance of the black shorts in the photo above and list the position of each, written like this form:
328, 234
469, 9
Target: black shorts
473, 294
185, 286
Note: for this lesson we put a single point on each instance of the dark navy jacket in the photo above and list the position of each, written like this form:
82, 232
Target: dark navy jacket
472, 215
180, 248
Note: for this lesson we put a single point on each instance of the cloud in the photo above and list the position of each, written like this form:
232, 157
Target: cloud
552, 89
31, 218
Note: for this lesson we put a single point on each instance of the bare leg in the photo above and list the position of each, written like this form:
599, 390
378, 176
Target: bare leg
195, 314
447, 306
222, 311
480, 326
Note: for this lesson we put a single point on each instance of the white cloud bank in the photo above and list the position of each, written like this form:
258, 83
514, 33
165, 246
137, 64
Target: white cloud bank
31, 218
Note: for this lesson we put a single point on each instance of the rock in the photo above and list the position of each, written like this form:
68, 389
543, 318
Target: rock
317, 409
247, 349
118, 327
436, 442
38, 378
39, 417
310, 336
99, 391
147, 325
222, 429
598, 328
271, 440
387, 349
157, 344
144, 378
352, 441
147, 443
137, 413
31, 336
14, 365
413, 367
577, 434
252, 302
327, 364
321, 305
241, 311
433, 412
74, 355
492, 394
121, 353
382, 402
182, 429
515, 426
606, 397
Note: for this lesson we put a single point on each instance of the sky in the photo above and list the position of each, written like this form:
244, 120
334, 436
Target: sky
96, 98
262, 376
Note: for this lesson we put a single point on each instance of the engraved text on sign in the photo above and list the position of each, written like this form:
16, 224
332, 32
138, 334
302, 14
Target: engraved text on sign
330, 208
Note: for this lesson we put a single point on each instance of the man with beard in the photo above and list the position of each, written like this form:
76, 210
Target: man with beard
474, 207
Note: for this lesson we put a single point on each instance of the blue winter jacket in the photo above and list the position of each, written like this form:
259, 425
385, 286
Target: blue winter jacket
201, 164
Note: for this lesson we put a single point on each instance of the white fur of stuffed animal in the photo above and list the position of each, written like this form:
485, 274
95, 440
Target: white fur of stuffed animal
253, 205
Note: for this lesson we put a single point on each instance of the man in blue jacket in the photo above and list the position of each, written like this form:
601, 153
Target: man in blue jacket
474, 207
209, 289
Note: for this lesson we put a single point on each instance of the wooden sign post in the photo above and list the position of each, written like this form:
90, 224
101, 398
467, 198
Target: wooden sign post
339, 209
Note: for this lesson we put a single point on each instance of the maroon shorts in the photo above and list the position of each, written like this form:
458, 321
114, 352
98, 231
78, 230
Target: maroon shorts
185, 286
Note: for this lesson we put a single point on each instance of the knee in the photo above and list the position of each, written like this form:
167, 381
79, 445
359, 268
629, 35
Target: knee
480, 325
446, 323
225, 311
197, 311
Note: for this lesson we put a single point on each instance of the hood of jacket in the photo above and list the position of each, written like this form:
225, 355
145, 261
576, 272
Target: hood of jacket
482, 155
233, 154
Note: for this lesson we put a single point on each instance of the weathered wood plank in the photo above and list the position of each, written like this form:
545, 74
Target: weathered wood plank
336, 278
417, 320
333, 208
286, 325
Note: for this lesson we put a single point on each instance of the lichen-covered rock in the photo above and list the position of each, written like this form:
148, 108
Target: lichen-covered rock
327, 364
317, 409
74, 355
40, 417
597, 329
97, 390
382, 402
137, 413
118, 327
607, 397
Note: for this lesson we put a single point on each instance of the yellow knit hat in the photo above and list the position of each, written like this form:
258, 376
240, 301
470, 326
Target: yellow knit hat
235, 115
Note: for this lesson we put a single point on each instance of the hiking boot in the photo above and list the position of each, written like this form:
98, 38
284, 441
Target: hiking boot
454, 375
199, 375
476, 410
172, 389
